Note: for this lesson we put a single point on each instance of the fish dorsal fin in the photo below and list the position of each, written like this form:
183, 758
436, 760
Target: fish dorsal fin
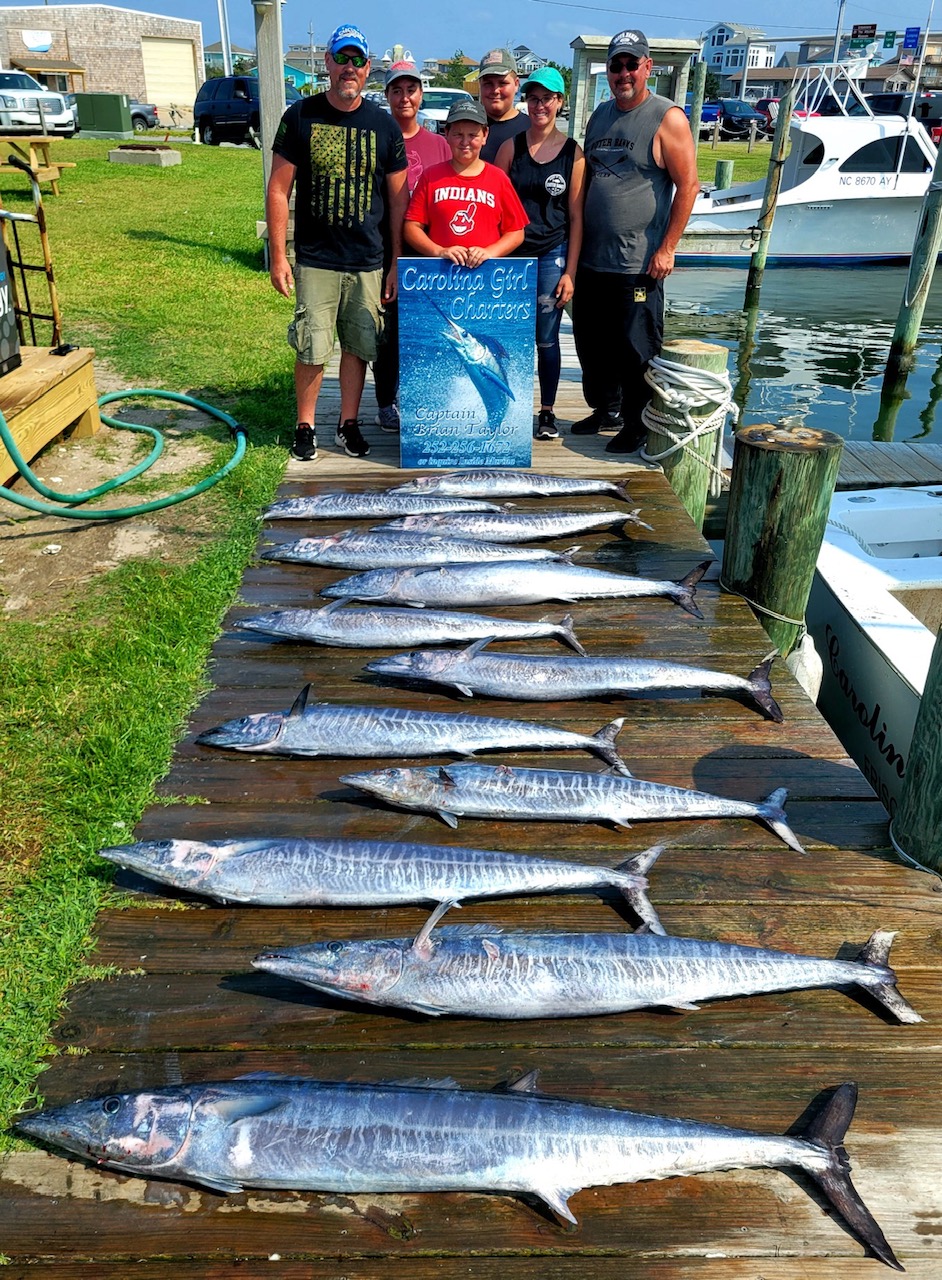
527, 1083
556, 1198
242, 1106
422, 945
300, 702
417, 1082
475, 648
336, 604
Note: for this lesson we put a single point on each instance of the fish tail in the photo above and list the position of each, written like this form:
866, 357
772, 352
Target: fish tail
636, 892
566, 634
761, 688
621, 488
633, 518
605, 746
826, 1130
875, 953
771, 812
685, 591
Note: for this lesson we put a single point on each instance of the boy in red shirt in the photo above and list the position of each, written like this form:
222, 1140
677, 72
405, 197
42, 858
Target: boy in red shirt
465, 210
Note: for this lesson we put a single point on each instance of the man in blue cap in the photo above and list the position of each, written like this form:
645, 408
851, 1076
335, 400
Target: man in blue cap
641, 182
346, 159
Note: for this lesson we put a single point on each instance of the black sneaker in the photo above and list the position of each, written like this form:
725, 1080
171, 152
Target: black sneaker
352, 439
629, 440
546, 428
305, 443
598, 420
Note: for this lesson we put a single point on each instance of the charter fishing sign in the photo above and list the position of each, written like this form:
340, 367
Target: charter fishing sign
466, 362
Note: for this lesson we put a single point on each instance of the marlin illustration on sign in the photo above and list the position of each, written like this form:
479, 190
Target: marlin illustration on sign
485, 360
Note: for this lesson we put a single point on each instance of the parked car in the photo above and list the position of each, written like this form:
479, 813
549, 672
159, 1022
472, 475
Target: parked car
143, 116
737, 118
226, 109
435, 104
768, 107
20, 100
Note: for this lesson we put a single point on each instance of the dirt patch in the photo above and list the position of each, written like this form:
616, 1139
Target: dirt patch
45, 559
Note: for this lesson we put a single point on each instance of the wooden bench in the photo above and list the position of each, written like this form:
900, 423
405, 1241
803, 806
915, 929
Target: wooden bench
35, 151
43, 397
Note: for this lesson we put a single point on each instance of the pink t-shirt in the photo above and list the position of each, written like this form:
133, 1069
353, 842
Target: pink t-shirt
470, 211
424, 150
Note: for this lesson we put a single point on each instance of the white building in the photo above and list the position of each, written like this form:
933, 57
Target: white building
727, 46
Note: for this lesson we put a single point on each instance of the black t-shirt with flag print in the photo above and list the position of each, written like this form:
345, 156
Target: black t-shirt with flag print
342, 159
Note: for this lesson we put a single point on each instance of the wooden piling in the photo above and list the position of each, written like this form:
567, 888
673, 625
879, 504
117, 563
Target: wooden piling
769, 200
723, 175
696, 100
917, 824
780, 492
688, 469
921, 271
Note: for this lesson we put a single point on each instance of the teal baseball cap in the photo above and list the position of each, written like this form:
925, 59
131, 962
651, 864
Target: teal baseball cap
545, 78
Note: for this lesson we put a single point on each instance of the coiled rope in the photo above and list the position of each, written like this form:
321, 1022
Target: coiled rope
684, 389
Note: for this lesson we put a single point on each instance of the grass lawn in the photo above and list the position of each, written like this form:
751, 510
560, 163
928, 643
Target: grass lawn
160, 271
748, 165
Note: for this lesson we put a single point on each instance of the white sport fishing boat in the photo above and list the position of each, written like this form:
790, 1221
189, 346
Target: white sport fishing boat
873, 615
851, 192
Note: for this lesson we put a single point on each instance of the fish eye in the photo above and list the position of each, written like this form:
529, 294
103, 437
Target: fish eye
335, 947
111, 1105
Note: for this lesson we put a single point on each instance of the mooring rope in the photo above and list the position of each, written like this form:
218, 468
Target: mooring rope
684, 389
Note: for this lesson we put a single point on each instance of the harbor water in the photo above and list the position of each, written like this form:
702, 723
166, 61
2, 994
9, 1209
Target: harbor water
819, 348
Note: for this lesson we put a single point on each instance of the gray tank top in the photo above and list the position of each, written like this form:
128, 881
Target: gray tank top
629, 197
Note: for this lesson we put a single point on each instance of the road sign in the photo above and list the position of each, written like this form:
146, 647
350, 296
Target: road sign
911, 38
864, 30
889, 39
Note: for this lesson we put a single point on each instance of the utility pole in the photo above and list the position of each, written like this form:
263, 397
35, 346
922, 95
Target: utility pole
310, 37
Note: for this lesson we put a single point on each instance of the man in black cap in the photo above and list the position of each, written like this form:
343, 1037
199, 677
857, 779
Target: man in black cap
641, 182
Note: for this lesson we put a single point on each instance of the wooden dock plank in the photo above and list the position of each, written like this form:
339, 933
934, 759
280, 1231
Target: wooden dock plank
185, 1003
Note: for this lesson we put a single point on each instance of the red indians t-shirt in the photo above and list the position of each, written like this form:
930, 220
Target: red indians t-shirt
460, 210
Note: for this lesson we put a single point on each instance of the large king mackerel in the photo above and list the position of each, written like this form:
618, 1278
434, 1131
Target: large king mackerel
370, 505
514, 526
500, 482
397, 628
479, 971
552, 679
557, 795
332, 729
510, 582
289, 1134
395, 550
371, 873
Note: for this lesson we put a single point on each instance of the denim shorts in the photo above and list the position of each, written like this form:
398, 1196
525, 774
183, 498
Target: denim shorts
347, 303
549, 271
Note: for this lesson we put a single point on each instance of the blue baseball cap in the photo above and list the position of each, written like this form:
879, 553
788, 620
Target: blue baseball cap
348, 37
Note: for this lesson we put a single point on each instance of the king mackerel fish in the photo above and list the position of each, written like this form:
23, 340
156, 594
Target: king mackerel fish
332, 729
298, 1134
556, 795
394, 550
346, 628
501, 482
483, 971
371, 505
336, 872
510, 582
549, 679
514, 526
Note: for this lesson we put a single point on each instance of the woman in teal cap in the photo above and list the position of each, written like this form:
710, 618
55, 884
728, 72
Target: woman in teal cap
547, 170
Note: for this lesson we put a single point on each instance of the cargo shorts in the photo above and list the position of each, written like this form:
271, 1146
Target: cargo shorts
345, 303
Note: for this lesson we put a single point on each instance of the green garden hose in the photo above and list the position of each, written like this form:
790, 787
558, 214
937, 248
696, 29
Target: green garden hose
72, 500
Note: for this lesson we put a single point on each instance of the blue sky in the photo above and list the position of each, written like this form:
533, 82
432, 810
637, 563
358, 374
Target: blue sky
436, 29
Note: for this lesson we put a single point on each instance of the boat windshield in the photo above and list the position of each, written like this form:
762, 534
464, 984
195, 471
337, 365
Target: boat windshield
883, 156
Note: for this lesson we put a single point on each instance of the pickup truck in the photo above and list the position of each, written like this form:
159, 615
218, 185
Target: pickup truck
708, 115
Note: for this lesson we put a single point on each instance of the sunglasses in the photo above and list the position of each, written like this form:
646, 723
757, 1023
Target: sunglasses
623, 64
342, 59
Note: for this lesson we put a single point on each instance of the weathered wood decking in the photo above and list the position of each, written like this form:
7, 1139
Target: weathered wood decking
187, 1005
